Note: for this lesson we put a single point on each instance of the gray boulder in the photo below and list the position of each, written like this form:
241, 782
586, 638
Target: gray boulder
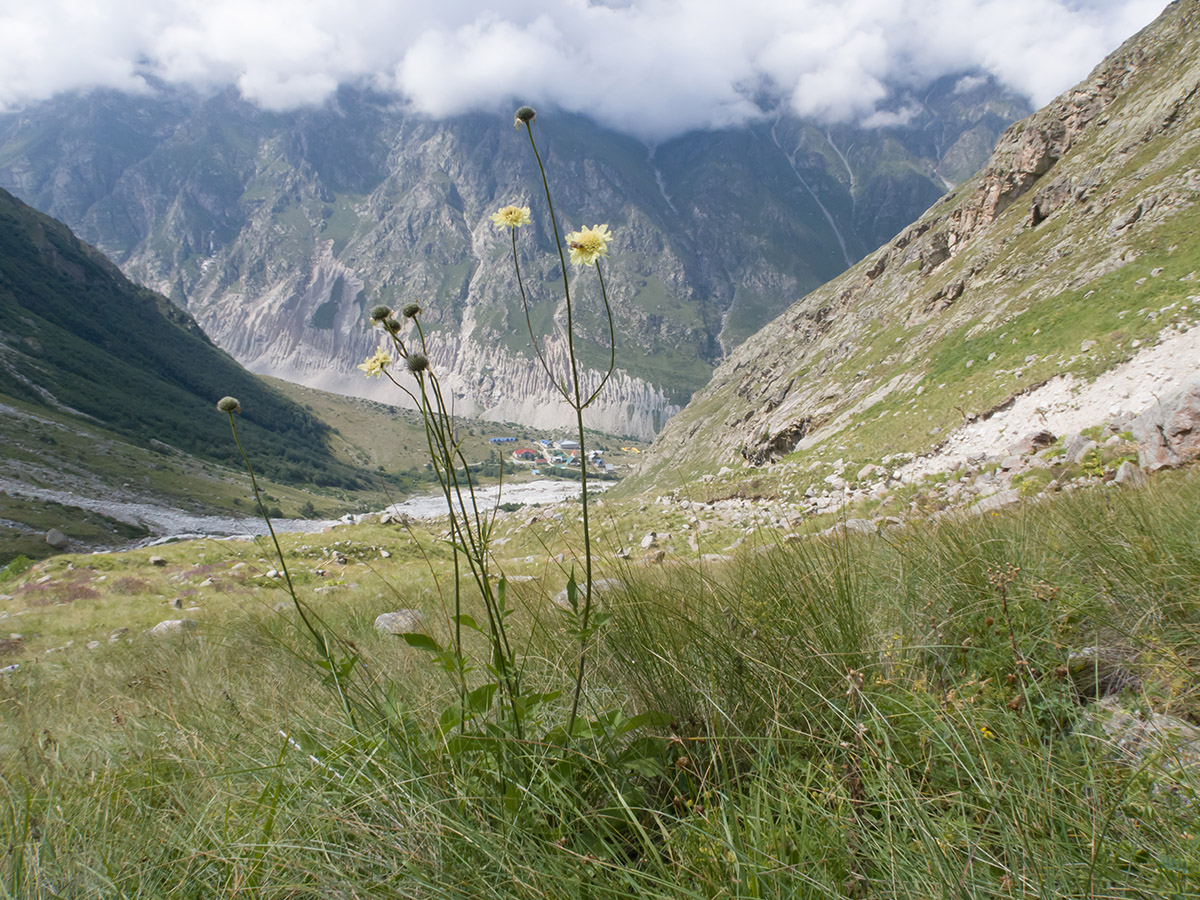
1168, 433
599, 587
172, 626
1078, 446
1128, 473
402, 621
1138, 738
57, 539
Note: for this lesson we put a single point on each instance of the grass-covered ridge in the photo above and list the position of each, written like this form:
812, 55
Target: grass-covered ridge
79, 337
896, 716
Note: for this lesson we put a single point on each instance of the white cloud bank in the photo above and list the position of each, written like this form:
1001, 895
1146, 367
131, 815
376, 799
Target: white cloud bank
653, 68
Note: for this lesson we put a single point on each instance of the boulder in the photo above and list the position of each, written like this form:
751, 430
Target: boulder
157, 561
1033, 442
1128, 473
172, 626
402, 621
1168, 433
599, 586
57, 539
1078, 446
998, 500
650, 540
1139, 738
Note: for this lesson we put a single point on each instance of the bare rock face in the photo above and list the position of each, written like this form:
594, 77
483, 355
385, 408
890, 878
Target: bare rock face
1168, 434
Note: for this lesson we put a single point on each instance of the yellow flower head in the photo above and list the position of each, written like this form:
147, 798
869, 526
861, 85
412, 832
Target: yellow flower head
589, 244
512, 217
375, 365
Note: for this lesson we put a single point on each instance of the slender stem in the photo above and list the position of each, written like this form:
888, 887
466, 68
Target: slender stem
578, 404
612, 340
529, 322
320, 639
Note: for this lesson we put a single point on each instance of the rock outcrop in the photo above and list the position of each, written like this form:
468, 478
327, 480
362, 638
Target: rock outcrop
1168, 433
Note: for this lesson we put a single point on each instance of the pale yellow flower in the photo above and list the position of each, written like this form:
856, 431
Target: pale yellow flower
589, 244
375, 365
512, 217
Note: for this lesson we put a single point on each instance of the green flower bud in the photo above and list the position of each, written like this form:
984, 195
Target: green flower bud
392, 324
411, 310
379, 313
229, 405
417, 363
525, 116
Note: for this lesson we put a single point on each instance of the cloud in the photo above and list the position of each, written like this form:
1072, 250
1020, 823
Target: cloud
653, 68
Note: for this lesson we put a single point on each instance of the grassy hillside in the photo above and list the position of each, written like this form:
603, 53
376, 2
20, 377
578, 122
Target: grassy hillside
80, 338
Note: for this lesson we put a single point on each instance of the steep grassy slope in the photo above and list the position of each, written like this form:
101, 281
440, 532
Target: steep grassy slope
78, 337
1077, 242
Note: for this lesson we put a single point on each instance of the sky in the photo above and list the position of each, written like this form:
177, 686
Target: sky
651, 68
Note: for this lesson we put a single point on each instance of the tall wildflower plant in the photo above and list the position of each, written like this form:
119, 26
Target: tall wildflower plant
586, 247
471, 524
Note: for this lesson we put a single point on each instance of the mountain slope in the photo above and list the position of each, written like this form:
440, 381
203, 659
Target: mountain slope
278, 231
77, 337
1077, 243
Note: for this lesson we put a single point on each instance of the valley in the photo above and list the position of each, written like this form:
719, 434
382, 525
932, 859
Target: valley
884, 583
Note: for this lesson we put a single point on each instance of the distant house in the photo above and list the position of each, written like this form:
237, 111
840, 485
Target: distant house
502, 440
567, 445
526, 456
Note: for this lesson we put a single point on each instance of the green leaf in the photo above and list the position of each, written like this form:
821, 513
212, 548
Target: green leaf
468, 622
451, 718
572, 592
480, 699
422, 642
649, 719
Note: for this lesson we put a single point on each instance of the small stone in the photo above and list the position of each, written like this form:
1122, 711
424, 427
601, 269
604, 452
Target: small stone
117, 635
384, 554
650, 540
92, 645
157, 561
402, 621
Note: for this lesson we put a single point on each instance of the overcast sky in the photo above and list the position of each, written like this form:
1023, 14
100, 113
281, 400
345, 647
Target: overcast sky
653, 68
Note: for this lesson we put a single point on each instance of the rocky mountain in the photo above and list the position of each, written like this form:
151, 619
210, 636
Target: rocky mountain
278, 231
1074, 249
78, 338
